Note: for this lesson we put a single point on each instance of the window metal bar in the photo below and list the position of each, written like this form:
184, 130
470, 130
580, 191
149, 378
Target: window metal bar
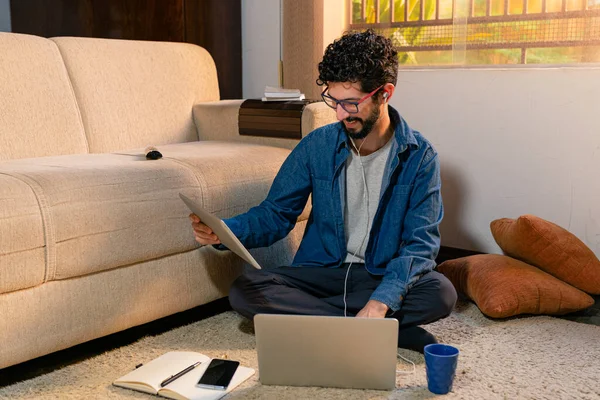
493, 18
392, 8
377, 19
363, 10
422, 10
492, 46
437, 9
586, 12
488, 8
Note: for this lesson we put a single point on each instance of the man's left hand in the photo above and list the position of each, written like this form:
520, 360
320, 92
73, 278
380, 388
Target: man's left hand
373, 309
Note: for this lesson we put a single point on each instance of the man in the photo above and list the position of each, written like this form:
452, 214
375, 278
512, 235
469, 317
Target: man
372, 236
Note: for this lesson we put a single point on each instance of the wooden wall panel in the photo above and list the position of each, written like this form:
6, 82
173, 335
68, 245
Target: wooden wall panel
213, 24
115, 19
217, 26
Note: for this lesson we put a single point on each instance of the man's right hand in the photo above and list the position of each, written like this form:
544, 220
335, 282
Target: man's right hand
202, 233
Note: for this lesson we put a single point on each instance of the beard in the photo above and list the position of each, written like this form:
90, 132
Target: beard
367, 125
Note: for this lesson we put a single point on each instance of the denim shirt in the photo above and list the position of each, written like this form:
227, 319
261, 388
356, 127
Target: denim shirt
404, 238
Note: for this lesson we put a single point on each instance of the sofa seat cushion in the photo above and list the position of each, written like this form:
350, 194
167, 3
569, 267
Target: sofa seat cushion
22, 250
232, 176
112, 210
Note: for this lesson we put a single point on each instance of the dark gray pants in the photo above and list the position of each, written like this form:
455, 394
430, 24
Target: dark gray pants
320, 291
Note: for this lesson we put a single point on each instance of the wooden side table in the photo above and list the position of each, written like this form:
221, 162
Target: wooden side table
279, 119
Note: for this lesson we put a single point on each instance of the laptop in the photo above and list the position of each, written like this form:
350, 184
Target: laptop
298, 350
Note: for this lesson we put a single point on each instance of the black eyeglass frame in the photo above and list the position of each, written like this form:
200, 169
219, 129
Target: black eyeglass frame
332, 102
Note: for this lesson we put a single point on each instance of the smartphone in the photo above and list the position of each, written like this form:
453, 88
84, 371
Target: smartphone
218, 374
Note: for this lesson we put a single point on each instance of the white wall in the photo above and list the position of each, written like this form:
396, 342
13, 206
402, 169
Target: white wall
5, 16
261, 40
512, 142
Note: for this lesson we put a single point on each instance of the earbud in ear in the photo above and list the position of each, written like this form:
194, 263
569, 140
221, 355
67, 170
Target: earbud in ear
385, 95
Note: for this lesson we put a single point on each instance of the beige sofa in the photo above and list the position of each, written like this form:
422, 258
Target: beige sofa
93, 237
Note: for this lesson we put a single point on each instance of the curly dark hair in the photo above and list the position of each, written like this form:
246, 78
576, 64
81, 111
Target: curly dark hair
364, 57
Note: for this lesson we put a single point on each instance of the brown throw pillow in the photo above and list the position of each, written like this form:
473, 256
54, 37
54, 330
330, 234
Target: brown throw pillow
502, 287
550, 248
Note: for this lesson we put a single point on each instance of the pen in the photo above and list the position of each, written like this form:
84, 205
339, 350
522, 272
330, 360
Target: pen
179, 374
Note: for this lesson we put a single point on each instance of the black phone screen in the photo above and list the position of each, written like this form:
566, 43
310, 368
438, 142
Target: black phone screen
219, 373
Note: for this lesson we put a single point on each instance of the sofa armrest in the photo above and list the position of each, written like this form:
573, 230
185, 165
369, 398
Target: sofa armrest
218, 120
316, 115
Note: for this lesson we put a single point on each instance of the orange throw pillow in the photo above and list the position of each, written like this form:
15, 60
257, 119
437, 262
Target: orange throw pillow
502, 287
550, 248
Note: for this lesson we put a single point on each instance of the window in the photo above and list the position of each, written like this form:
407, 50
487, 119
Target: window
475, 32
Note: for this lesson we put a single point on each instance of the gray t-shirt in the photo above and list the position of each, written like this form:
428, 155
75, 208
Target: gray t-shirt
358, 217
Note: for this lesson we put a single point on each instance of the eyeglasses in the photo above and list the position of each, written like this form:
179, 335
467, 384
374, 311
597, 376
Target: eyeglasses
351, 107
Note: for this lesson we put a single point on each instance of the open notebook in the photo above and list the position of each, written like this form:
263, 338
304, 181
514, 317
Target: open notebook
148, 377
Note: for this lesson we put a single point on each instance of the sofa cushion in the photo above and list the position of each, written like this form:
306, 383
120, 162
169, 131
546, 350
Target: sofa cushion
138, 93
550, 248
112, 210
503, 287
38, 112
22, 247
232, 177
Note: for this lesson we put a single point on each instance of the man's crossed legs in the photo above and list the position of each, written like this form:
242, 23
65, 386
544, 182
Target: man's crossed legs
320, 291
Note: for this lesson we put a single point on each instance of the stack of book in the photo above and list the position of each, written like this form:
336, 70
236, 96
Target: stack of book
280, 94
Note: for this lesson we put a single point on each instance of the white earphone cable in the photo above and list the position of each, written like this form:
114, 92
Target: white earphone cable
408, 361
367, 225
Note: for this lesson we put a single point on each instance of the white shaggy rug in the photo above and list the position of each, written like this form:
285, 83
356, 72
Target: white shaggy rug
521, 358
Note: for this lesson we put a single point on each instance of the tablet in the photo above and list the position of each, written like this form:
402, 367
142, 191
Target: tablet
219, 227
